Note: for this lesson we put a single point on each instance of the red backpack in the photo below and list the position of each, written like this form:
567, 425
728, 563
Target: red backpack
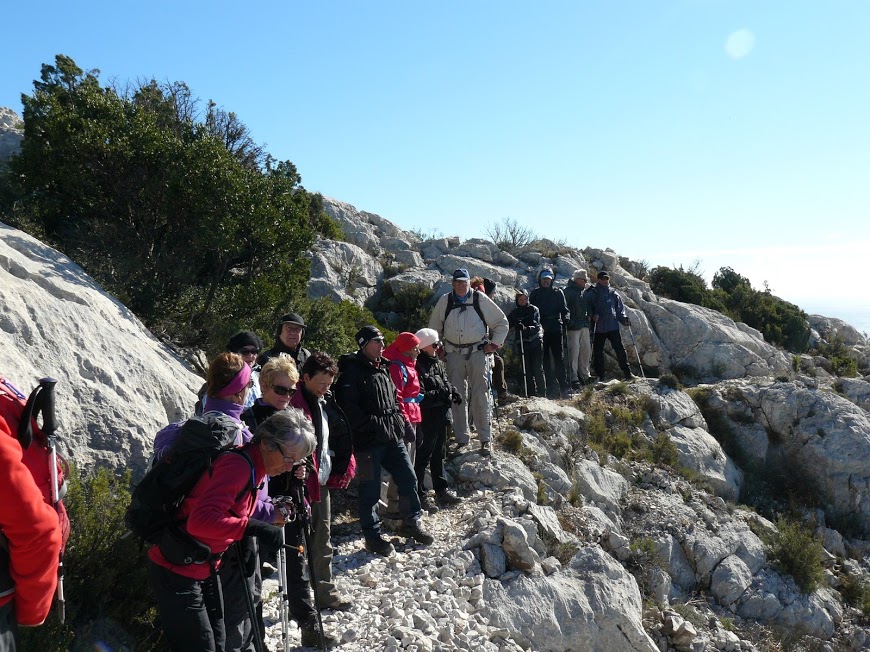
40, 457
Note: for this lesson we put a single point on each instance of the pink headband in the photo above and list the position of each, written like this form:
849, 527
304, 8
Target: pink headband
237, 384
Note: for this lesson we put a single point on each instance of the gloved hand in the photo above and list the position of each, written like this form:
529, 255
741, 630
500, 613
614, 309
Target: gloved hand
410, 433
267, 534
455, 396
626, 322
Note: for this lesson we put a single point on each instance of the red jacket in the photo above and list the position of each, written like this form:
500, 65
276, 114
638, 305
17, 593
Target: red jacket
33, 531
408, 384
212, 514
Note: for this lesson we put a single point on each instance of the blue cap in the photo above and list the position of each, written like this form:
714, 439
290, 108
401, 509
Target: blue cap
546, 273
461, 274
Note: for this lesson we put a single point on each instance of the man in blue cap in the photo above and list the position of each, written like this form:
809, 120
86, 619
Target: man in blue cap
463, 319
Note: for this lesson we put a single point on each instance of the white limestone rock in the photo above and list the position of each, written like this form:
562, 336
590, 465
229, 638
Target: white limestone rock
343, 271
575, 609
117, 384
11, 133
698, 450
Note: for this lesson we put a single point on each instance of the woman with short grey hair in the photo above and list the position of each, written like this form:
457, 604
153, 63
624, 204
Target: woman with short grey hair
288, 431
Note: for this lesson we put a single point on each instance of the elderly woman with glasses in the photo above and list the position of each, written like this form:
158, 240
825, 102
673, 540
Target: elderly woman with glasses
201, 609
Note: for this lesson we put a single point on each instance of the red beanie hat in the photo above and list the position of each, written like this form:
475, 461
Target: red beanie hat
405, 342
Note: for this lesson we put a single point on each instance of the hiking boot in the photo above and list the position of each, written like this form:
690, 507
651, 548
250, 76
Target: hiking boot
456, 450
427, 505
576, 386
413, 531
337, 603
486, 448
379, 546
629, 376
447, 497
311, 635
507, 398
565, 393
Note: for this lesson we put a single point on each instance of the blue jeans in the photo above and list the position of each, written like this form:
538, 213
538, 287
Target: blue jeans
394, 459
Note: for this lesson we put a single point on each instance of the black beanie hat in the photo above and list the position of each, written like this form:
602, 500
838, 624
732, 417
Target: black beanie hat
242, 339
366, 334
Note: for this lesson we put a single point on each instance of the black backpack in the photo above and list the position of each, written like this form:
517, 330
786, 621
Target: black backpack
156, 499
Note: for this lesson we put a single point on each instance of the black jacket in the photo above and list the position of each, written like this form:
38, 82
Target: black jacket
526, 320
551, 302
300, 355
435, 387
370, 401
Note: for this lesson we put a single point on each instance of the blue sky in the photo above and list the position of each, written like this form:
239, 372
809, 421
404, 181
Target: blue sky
730, 132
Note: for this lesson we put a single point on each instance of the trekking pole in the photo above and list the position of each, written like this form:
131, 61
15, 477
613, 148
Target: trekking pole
49, 428
283, 592
305, 524
249, 601
523, 358
634, 344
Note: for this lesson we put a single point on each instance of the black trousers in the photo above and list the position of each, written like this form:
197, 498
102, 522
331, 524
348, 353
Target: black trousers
7, 627
598, 352
555, 368
533, 352
236, 580
192, 611
431, 453
298, 587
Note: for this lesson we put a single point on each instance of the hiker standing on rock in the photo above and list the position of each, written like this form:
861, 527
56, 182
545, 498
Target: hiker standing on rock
463, 318
368, 396
606, 310
288, 339
551, 302
579, 342
526, 319
438, 394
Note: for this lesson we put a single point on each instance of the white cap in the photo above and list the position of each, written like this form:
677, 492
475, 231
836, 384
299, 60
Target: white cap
427, 336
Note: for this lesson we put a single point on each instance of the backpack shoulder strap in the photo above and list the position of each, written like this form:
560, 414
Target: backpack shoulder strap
476, 303
252, 482
404, 372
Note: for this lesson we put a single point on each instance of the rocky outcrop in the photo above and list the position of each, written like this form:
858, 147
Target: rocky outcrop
117, 384
11, 133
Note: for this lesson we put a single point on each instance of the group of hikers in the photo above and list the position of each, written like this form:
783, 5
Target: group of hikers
288, 426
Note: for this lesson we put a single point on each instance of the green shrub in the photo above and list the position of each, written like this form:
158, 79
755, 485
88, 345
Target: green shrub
669, 380
618, 389
664, 451
795, 551
512, 441
105, 575
856, 592
838, 355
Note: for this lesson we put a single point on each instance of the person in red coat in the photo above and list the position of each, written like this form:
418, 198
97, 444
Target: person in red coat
30, 540
402, 354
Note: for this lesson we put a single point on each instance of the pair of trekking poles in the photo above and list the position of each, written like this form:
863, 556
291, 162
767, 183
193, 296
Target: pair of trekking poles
291, 507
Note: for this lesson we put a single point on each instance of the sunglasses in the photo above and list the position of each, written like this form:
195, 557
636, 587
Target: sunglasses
249, 350
280, 390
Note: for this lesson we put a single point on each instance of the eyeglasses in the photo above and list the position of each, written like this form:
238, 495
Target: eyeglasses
280, 390
249, 350
288, 459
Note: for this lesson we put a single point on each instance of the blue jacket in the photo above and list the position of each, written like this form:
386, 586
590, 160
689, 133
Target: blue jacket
605, 303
